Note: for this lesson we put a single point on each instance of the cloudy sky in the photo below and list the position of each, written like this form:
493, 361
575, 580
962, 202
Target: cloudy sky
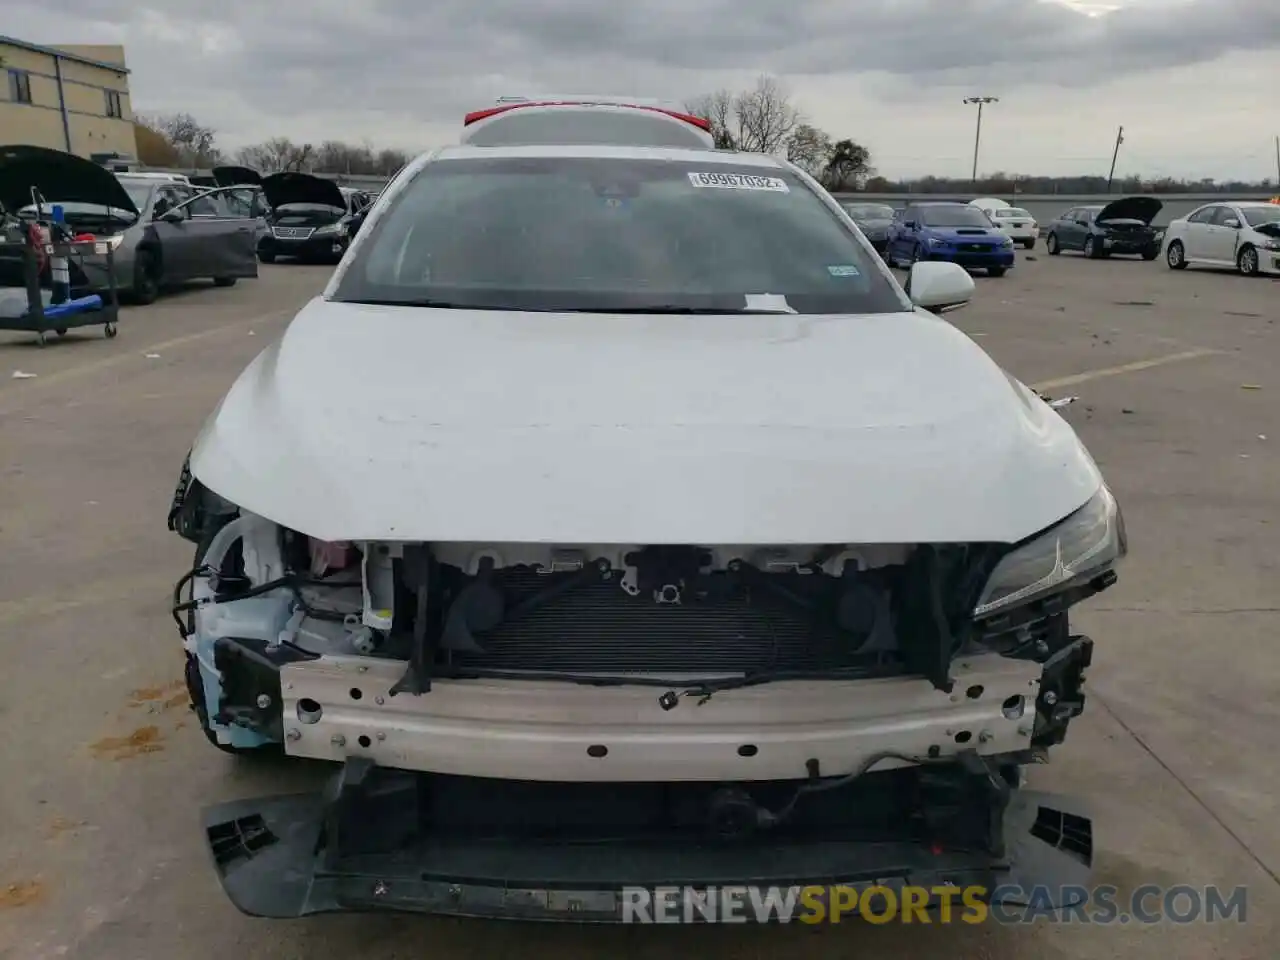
1194, 82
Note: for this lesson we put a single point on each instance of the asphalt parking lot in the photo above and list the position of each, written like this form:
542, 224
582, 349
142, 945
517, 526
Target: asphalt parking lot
100, 853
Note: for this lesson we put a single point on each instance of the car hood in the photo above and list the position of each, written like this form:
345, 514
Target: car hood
1142, 209
1270, 228
282, 188
233, 176
412, 424
58, 176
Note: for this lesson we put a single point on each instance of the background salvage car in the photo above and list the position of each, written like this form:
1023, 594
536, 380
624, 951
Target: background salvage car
162, 232
310, 218
1245, 236
1122, 226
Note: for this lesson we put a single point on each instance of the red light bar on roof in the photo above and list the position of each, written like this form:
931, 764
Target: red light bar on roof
477, 115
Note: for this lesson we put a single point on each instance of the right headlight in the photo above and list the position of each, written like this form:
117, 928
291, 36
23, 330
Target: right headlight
1087, 543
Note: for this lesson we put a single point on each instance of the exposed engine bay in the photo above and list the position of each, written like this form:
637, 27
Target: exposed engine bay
634, 627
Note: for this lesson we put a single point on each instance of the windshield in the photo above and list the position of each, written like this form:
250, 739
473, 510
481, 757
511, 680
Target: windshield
869, 211
953, 215
613, 234
1013, 213
1257, 215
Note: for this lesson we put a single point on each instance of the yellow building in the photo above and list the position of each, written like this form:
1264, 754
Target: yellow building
73, 98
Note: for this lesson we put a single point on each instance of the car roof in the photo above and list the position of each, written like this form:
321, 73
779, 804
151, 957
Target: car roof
602, 152
629, 121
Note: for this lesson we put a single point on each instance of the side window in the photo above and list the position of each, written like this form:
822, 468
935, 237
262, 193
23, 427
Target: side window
1204, 215
1085, 215
206, 206
167, 197
910, 214
1222, 214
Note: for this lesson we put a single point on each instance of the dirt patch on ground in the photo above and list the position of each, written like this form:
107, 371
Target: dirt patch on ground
143, 740
22, 893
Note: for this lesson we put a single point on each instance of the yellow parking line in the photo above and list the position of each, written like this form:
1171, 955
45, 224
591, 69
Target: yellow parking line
1124, 368
116, 359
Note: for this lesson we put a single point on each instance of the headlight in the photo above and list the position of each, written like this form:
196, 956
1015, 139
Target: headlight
1271, 245
935, 242
1085, 544
1006, 241
332, 230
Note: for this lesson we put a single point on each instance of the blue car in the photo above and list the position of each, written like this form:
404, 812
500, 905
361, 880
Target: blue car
954, 231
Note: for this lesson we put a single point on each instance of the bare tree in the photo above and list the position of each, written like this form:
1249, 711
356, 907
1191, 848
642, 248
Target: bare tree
717, 109
194, 144
277, 155
764, 117
809, 149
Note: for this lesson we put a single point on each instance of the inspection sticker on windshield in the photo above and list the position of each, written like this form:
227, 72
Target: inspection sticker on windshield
739, 181
843, 270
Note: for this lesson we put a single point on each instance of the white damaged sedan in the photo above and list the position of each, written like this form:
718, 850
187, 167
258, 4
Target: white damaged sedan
615, 520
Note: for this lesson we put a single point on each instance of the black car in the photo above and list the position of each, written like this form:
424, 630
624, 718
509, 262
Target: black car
873, 219
310, 218
1120, 227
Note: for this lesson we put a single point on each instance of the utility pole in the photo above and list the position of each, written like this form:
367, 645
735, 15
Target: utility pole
977, 137
1278, 162
1114, 154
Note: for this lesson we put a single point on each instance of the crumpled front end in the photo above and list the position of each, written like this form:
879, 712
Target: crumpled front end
384, 840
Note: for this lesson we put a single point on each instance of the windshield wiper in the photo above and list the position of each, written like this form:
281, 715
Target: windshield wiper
428, 302
670, 308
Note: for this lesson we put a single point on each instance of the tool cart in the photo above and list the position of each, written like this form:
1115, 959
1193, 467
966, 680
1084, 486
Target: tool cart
54, 274
42, 256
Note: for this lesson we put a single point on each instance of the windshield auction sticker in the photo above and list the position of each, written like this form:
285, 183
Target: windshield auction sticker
739, 181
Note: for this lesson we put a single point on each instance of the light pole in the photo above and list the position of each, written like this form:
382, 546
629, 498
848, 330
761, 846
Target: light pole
977, 137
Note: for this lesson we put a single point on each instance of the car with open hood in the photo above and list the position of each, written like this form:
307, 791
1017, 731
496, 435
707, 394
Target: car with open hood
949, 231
873, 219
163, 232
659, 536
1244, 235
1123, 226
310, 217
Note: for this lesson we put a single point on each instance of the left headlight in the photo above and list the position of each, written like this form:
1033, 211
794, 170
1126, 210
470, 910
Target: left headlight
338, 229
1087, 543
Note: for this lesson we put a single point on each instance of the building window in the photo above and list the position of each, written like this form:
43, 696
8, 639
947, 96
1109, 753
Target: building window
113, 104
19, 86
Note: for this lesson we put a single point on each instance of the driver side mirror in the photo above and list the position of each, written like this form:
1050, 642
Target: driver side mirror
909, 224
177, 215
938, 286
357, 221
1231, 222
